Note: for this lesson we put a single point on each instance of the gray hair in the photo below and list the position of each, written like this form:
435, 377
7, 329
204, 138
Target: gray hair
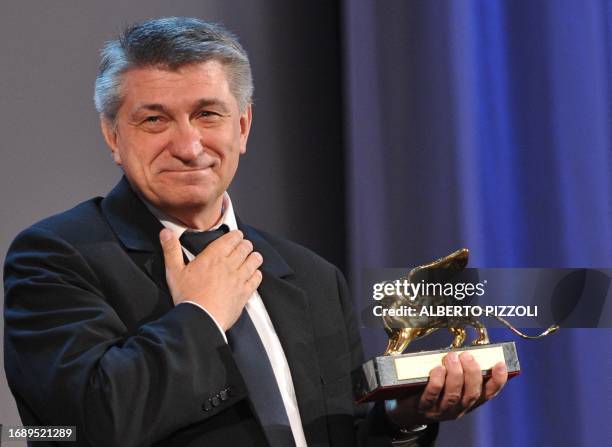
170, 43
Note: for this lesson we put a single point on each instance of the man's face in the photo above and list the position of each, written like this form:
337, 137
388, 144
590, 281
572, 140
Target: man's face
179, 135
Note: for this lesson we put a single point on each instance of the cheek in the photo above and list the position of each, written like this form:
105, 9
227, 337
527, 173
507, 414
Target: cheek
233, 143
143, 153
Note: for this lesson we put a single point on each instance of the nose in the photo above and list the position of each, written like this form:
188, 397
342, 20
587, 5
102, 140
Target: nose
186, 143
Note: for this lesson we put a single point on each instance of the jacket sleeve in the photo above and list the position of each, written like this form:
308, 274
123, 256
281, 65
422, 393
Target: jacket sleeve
70, 360
372, 428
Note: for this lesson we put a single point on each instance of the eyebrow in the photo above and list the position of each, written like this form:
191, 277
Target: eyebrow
208, 102
200, 103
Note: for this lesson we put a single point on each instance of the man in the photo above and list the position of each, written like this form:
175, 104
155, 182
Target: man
155, 317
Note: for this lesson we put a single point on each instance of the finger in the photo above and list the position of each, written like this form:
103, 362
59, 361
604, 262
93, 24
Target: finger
237, 257
251, 263
431, 394
226, 243
254, 281
173, 253
493, 385
454, 382
472, 380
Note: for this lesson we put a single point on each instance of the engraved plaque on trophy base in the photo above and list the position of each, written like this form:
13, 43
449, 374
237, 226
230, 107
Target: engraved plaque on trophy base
393, 376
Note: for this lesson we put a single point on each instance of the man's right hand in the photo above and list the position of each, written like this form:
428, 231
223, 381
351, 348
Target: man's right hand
220, 279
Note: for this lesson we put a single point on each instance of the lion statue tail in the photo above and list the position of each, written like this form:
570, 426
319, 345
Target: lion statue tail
550, 330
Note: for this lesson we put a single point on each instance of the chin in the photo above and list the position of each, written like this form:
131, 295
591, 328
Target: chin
192, 200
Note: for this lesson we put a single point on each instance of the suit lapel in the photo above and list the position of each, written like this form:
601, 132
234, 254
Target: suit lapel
286, 303
289, 311
138, 230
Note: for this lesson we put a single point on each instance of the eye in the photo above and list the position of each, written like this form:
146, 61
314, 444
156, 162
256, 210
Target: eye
154, 123
207, 114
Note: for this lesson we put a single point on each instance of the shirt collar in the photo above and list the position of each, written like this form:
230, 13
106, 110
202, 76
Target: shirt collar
227, 217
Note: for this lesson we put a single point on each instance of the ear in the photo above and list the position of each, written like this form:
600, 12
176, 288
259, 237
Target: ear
245, 126
110, 136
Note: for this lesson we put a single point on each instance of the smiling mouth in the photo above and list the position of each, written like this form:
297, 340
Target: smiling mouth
189, 170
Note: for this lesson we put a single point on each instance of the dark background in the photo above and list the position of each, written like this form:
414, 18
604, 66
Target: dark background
386, 133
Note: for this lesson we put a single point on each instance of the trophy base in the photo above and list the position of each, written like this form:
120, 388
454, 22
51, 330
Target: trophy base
394, 376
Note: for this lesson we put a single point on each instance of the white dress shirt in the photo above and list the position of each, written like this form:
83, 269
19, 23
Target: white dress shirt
261, 320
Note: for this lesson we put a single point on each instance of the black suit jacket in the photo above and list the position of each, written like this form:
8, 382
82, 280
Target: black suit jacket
92, 337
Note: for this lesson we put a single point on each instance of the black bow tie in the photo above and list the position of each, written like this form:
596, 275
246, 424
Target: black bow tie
196, 241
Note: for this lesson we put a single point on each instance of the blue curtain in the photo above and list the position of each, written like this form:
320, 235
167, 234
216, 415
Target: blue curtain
487, 124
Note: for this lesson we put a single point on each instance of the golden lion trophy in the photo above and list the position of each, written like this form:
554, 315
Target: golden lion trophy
394, 373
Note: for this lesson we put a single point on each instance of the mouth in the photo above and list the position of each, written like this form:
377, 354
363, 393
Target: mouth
190, 170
